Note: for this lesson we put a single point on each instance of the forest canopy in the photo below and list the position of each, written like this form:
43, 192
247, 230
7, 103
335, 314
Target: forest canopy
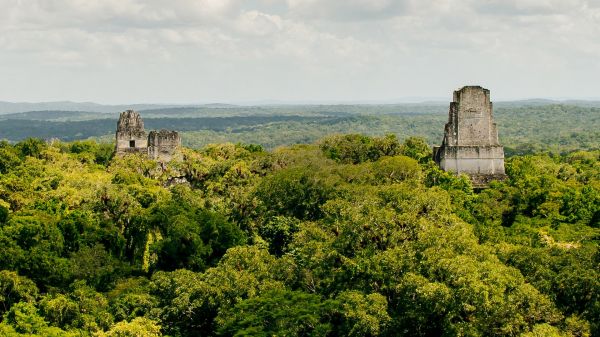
525, 127
352, 235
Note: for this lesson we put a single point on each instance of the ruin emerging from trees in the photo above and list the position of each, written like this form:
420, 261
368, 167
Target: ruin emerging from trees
131, 138
470, 142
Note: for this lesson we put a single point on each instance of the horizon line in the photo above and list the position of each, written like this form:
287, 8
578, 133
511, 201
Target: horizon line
266, 102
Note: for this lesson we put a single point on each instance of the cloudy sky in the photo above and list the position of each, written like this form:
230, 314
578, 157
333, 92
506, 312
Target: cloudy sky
193, 51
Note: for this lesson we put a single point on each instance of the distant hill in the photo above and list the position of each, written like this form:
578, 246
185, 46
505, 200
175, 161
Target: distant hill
18, 129
543, 102
69, 116
214, 109
10, 107
524, 126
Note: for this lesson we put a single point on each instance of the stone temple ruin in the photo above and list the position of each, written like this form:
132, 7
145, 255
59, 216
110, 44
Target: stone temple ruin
470, 144
132, 138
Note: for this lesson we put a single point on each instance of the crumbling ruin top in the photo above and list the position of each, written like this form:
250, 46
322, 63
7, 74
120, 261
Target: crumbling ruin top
131, 124
131, 138
470, 119
162, 135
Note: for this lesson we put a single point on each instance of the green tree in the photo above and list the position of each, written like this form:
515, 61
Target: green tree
279, 313
4, 212
35, 247
295, 192
363, 315
416, 148
397, 169
278, 232
138, 327
23, 320
96, 266
31, 147
355, 148
132, 298
14, 289
189, 302
60, 310
192, 238
9, 158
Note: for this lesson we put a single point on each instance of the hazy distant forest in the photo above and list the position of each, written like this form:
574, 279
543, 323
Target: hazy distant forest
299, 221
525, 127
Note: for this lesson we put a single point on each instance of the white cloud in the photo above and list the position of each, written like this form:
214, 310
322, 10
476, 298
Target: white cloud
528, 7
329, 45
348, 9
259, 24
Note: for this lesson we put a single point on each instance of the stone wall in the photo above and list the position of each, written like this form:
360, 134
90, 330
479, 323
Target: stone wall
470, 143
470, 119
163, 144
472, 159
131, 136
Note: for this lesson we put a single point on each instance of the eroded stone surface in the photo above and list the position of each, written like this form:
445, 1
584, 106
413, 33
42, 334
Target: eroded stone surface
132, 138
470, 142
162, 144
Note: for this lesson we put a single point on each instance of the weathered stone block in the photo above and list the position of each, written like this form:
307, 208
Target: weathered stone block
162, 144
470, 142
131, 138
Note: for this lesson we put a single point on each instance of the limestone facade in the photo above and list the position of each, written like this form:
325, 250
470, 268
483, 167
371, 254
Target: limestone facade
470, 143
131, 137
162, 144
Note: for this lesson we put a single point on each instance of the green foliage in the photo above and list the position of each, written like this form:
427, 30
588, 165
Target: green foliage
34, 246
190, 302
278, 313
131, 298
278, 232
417, 148
138, 327
352, 236
363, 315
24, 318
14, 289
355, 148
295, 192
193, 238
96, 266
93, 308
252, 148
566, 127
3, 214
397, 169
31, 147
90, 151
9, 157
60, 310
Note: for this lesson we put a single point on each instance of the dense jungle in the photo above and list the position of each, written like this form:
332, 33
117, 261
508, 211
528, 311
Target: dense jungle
351, 235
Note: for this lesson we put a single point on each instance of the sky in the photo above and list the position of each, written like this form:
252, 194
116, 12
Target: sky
231, 51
